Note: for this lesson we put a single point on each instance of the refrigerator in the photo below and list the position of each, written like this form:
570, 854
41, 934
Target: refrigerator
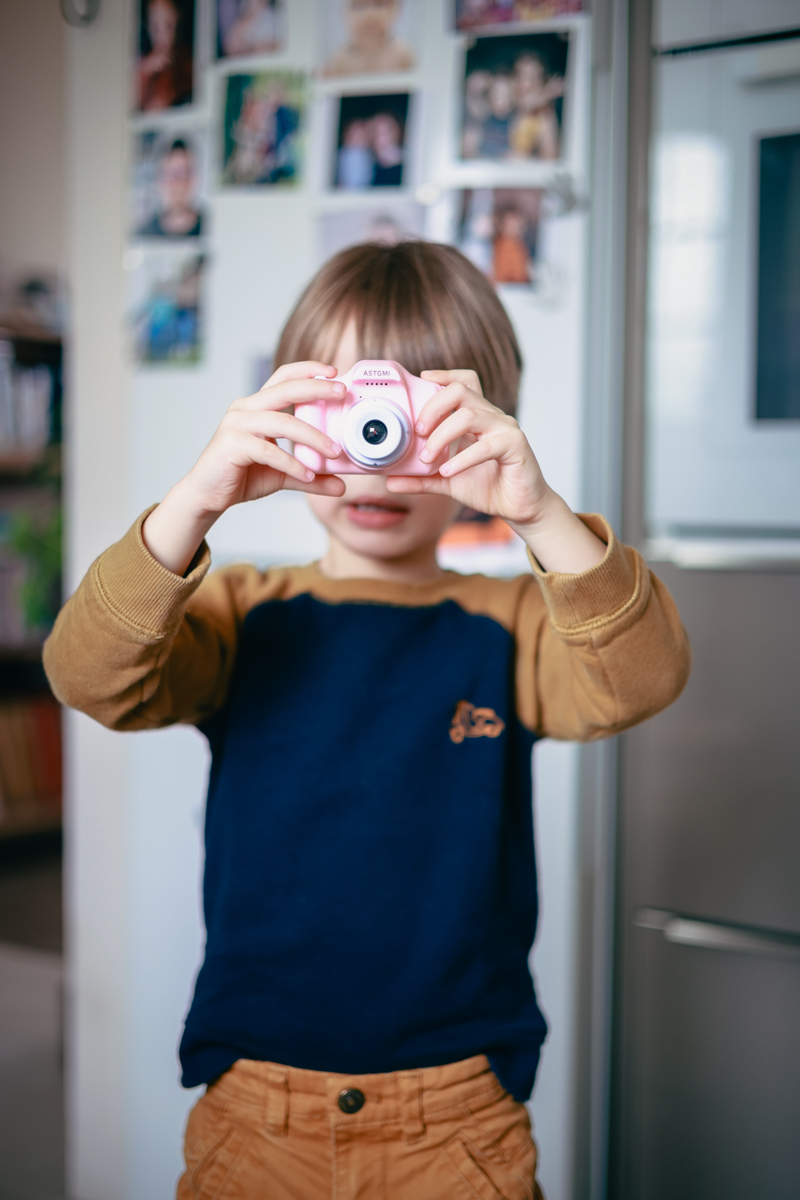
706, 1039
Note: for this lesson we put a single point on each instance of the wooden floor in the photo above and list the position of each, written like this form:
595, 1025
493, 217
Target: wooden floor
31, 1079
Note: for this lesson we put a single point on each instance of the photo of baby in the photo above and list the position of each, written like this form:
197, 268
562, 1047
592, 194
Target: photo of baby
513, 96
474, 14
249, 27
261, 128
369, 37
165, 67
166, 307
387, 226
498, 231
165, 186
371, 141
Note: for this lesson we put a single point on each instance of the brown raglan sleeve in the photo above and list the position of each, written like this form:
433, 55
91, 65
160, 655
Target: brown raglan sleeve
137, 647
600, 651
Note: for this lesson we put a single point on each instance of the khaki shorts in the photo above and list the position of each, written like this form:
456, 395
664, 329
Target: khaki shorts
267, 1132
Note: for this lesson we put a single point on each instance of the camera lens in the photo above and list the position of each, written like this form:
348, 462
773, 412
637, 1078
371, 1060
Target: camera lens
374, 432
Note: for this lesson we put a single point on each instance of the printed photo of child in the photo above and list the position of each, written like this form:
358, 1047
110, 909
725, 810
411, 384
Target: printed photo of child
165, 67
513, 97
369, 36
165, 186
166, 307
263, 117
388, 226
498, 231
474, 14
249, 27
371, 142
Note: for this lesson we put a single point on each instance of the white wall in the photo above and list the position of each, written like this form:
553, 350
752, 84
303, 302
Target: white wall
32, 182
135, 800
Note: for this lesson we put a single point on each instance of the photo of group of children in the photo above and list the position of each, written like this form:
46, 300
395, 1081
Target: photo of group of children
513, 96
515, 81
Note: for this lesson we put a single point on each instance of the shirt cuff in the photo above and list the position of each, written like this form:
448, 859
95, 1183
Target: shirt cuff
609, 591
138, 591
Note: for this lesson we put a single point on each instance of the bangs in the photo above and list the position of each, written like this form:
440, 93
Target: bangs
422, 304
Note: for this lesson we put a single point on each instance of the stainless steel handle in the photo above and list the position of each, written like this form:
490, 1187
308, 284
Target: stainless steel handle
717, 935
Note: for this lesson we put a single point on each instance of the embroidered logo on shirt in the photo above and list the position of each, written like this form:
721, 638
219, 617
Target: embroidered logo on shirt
471, 722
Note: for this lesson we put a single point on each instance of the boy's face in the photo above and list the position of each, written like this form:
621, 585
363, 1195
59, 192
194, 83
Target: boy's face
369, 520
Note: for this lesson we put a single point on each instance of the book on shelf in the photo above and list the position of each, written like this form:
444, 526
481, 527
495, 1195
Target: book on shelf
30, 762
26, 403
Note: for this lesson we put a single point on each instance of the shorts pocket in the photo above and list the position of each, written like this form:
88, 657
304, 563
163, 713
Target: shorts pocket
214, 1150
489, 1178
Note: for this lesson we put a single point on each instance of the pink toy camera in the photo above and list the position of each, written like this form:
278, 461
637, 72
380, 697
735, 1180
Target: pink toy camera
373, 423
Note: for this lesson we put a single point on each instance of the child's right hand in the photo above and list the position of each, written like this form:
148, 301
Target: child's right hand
243, 462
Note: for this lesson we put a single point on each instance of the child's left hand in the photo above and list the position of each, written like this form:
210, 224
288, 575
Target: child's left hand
495, 470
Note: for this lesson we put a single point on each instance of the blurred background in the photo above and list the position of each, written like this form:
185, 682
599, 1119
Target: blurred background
627, 172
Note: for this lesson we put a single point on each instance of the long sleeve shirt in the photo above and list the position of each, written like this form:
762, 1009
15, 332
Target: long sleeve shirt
370, 887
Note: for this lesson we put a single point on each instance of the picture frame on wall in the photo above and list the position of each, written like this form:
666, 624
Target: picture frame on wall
384, 224
471, 15
498, 229
513, 97
262, 124
373, 141
166, 184
165, 55
166, 292
250, 27
368, 37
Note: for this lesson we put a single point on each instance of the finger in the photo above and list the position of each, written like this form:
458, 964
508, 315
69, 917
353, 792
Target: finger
284, 425
292, 391
459, 423
266, 454
446, 401
320, 485
299, 370
484, 450
468, 377
418, 485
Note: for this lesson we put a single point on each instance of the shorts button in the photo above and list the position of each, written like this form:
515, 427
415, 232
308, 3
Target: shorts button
351, 1100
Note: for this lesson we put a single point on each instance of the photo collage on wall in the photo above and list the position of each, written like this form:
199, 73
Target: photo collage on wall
228, 110
168, 219
511, 104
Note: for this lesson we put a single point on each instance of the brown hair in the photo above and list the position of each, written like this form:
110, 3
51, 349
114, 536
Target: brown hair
422, 304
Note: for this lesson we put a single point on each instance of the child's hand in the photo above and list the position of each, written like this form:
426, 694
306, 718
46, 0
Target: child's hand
495, 471
244, 462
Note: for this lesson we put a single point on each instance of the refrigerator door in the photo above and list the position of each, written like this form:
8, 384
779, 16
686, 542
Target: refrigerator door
723, 336
706, 1094
707, 1045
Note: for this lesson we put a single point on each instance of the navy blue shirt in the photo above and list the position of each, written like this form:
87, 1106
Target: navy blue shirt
370, 884
370, 887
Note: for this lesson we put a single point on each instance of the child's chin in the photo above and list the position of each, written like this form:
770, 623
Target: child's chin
378, 543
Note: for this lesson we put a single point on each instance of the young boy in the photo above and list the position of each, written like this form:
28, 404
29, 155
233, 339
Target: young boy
365, 1018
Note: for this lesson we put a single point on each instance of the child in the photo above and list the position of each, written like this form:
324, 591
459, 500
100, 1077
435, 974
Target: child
365, 1019
356, 161
534, 131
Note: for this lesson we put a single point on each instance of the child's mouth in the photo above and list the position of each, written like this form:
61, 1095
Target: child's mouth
373, 512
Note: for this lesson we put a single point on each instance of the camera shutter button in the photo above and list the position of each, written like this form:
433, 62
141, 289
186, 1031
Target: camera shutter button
351, 1100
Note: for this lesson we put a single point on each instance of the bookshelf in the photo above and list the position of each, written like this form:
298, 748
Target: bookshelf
30, 577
